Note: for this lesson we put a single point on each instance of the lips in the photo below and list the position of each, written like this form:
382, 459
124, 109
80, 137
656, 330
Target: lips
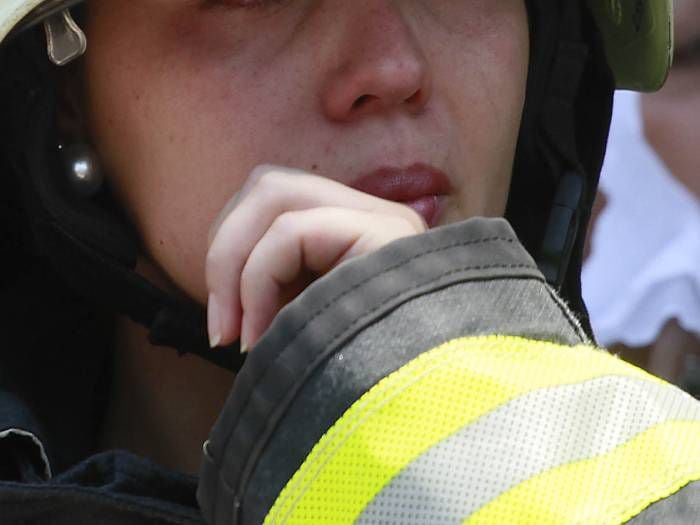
420, 187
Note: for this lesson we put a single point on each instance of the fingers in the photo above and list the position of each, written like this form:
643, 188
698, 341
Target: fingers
303, 244
270, 193
285, 189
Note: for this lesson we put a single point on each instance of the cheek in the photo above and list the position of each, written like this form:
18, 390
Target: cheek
486, 79
178, 139
171, 148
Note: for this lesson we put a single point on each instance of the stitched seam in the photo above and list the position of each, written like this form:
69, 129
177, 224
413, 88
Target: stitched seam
335, 299
339, 296
621, 509
371, 312
360, 320
398, 265
342, 294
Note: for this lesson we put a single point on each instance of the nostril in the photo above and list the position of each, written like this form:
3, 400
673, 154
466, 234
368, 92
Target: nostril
361, 101
415, 99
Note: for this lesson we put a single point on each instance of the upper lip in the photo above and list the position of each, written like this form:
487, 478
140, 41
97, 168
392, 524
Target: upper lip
404, 184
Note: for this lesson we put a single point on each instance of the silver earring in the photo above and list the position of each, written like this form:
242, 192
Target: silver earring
83, 169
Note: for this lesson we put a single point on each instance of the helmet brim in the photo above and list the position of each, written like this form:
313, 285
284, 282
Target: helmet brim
638, 40
638, 35
18, 15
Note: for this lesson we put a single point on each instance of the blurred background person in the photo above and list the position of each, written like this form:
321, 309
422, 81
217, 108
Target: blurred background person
641, 280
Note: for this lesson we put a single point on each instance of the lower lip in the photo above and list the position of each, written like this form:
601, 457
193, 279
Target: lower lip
429, 207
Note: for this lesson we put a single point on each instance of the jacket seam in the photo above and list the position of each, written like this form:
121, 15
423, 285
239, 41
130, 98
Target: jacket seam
354, 287
340, 334
264, 373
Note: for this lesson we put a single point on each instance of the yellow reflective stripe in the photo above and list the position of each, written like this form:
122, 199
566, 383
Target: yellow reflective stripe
523, 438
610, 489
418, 406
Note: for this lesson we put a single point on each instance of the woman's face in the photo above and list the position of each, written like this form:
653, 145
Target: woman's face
186, 97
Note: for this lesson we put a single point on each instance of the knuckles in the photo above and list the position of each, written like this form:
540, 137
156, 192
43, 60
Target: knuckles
270, 180
271, 186
216, 264
285, 225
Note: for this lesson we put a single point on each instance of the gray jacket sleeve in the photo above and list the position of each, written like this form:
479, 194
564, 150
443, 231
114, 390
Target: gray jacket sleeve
355, 326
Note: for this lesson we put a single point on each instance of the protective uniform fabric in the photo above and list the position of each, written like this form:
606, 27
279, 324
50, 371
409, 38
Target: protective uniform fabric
440, 398
500, 430
500, 412
112, 488
430, 307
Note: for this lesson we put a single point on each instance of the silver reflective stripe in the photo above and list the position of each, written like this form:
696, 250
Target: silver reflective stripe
40, 446
532, 434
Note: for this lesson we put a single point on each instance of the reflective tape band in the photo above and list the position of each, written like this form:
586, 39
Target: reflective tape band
530, 435
611, 489
419, 406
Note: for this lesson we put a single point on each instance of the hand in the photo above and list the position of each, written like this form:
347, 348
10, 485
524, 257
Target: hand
284, 229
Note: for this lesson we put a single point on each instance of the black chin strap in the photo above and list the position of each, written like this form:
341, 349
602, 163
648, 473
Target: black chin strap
561, 153
562, 227
562, 142
181, 327
172, 322
574, 122
110, 281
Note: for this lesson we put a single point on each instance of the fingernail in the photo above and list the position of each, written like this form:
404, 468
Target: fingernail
213, 322
245, 348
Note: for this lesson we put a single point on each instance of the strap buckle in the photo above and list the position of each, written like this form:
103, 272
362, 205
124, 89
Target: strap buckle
65, 41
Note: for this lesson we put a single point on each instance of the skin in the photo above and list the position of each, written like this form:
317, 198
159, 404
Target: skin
190, 103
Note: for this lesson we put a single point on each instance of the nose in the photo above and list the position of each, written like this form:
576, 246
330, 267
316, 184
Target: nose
379, 66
